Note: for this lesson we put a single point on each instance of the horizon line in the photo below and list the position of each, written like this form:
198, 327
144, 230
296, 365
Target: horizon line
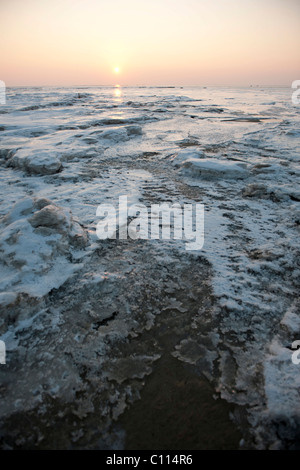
149, 86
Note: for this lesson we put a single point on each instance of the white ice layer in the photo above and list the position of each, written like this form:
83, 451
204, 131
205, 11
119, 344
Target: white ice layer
64, 152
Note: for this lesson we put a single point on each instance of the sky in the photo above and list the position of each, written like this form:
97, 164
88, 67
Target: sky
149, 42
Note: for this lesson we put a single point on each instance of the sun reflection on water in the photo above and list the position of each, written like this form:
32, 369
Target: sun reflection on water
118, 92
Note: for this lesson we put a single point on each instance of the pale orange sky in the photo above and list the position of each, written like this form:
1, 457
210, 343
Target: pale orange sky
152, 42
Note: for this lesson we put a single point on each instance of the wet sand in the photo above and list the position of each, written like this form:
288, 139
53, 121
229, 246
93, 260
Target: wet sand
177, 411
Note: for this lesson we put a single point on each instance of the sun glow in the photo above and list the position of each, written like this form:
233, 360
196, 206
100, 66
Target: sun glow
217, 45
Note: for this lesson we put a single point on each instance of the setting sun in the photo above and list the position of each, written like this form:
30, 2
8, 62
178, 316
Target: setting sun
217, 45
149, 218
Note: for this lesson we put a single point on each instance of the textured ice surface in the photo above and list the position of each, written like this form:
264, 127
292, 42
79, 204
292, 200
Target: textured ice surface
73, 308
45, 163
212, 168
36, 243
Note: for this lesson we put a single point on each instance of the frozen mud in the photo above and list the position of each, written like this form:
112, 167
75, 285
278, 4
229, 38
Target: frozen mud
91, 325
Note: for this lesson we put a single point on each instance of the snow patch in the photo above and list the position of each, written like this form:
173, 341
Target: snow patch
37, 242
213, 168
40, 162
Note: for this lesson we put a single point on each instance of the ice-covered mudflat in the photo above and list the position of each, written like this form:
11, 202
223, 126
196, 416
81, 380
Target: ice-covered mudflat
87, 321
